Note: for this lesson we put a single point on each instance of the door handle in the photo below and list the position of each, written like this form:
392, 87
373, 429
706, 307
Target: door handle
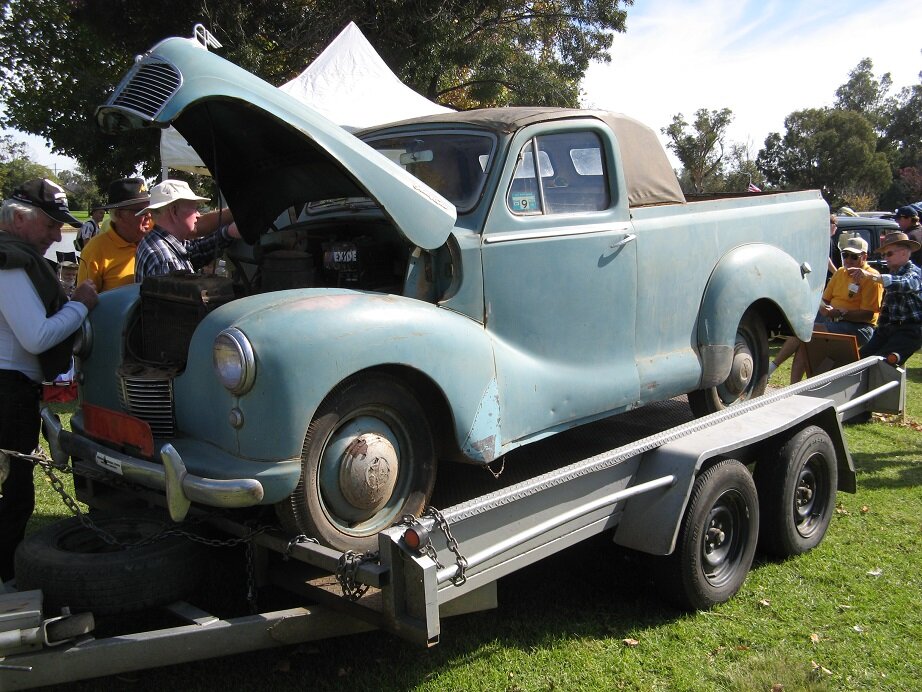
624, 241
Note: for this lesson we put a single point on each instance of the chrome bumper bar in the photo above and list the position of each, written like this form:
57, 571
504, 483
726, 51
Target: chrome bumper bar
181, 487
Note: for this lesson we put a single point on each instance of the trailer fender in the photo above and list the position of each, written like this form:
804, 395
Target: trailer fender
651, 522
742, 277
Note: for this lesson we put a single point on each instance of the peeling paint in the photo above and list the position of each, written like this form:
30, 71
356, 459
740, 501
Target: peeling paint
481, 441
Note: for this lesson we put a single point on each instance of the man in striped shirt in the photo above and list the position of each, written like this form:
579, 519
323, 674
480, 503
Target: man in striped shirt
171, 245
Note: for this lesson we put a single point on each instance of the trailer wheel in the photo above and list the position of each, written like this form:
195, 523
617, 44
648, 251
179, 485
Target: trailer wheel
797, 490
748, 372
74, 566
368, 460
717, 539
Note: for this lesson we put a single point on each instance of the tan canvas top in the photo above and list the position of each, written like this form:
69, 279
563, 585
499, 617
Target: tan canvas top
650, 178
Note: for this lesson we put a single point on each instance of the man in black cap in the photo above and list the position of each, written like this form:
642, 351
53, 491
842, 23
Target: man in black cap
108, 259
37, 326
899, 326
908, 220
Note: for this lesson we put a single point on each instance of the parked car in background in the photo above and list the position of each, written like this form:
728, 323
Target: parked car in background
872, 229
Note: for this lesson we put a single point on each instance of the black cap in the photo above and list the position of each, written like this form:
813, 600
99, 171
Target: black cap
126, 192
47, 196
908, 212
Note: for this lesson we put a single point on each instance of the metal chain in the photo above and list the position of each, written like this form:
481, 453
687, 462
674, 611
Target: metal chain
452, 544
40, 459
251, 578
346, 569
502, 467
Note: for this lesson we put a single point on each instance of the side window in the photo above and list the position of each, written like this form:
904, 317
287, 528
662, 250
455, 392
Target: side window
571, 176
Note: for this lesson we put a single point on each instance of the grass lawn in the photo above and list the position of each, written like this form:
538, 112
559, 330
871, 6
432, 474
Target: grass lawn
843, 617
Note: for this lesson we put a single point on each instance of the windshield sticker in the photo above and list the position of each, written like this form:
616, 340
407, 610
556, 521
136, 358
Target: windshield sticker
523, 202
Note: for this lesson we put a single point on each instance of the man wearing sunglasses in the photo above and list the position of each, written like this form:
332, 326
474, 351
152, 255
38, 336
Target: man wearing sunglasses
849, 307
899, 328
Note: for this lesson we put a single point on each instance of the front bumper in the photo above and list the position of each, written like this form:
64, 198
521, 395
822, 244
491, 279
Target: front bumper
181, 487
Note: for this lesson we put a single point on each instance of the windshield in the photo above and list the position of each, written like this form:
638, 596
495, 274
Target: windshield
454, 164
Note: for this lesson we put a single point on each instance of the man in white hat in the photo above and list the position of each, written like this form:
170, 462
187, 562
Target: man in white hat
899, 328
170, 245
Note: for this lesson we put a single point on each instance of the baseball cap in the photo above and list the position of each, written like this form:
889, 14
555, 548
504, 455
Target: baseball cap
47, 196
170, 191
855, 245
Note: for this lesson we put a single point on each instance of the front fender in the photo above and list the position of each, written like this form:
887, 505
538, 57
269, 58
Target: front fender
745, 275
307, 341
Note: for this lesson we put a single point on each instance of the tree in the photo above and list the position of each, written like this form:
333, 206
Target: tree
742, 169
830, 149
865, 94
82, 191
18, 171
701, 148
61, 58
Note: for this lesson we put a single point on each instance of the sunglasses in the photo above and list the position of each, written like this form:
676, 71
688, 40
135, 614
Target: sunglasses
887, 254
850, 257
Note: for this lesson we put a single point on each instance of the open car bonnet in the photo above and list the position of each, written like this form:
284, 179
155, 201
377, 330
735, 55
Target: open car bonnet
267, 151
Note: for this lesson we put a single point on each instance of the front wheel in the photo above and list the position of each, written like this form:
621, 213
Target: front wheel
797, 491
717, 539
368, 459
748, 370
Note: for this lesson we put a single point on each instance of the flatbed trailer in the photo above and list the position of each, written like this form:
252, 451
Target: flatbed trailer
661, 482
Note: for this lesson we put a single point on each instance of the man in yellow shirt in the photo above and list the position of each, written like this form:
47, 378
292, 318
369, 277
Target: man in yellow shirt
108, 258
847, 308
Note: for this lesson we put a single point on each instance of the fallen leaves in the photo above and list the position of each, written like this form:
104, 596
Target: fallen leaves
817, 668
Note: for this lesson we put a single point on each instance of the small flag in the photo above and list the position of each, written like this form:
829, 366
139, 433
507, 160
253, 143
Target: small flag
753, 188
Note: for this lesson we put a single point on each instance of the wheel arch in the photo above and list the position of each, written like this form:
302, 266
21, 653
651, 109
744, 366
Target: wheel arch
753, 276
434, 402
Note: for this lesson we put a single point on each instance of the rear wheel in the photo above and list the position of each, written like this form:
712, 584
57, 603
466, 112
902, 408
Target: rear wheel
748, 371
368, 459
717, 539
797, 490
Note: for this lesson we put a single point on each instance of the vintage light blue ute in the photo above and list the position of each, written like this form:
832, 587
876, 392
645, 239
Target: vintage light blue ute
441, 289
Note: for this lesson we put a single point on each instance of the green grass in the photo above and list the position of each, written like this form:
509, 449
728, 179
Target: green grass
842, 617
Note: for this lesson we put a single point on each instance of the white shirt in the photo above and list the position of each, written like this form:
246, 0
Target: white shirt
24, 330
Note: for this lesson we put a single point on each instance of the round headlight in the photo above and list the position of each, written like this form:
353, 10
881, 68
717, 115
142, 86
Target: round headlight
234, 360
83, 342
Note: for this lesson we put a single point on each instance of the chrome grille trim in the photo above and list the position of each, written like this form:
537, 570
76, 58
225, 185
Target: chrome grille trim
148, 87
151, 401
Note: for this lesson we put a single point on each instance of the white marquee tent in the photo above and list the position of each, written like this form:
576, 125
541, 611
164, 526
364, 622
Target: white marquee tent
348, 83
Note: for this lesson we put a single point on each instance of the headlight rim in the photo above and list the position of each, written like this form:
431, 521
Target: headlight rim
247, 358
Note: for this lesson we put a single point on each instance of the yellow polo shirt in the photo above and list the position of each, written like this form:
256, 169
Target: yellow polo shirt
108, 260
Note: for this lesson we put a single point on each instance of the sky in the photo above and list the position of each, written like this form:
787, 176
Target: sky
761, 59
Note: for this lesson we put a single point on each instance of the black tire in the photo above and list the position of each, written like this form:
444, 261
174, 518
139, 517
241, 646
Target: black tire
717, 539
75, 567
748, 374
346, 512
797, 492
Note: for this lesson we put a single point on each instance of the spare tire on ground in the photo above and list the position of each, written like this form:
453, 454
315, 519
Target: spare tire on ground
75, 566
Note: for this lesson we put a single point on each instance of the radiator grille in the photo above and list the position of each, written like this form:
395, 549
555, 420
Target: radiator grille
151, 401
149, 88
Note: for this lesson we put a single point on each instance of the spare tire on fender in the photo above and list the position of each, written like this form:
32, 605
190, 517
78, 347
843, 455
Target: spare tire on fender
75, 566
